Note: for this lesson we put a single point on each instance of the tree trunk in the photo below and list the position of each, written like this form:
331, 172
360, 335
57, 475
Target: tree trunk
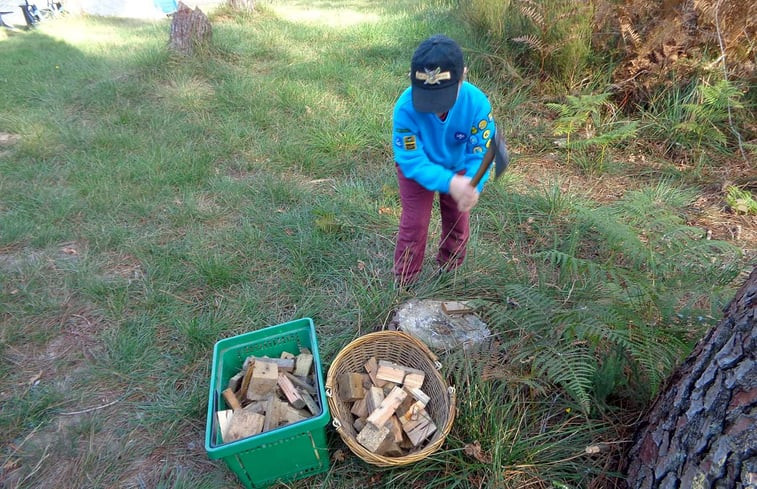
247, 5
701, 430
190, 30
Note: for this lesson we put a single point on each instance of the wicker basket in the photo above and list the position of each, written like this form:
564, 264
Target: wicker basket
401, 348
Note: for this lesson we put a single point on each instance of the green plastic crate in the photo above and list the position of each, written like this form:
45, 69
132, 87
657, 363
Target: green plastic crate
284, 454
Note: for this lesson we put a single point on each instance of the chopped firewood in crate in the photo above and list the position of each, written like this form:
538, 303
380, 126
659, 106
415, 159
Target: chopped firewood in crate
290, 391
231, 399
236, 382
390, 418
265, 376
286, 355
303, 362
267, 394
284, 364
243, 423
273, 414
300, 382
310, 403
224, 420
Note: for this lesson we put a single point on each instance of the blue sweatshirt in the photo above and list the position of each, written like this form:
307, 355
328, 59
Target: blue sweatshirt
430, 151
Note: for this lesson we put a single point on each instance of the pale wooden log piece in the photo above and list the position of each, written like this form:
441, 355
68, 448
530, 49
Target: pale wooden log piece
373, 398
388, 406
300, 382
303, 363
375, 439
291, 393
390, 372
265, 376
351, 386
231, 399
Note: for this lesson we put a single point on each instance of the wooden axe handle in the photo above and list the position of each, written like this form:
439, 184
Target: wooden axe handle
485, 163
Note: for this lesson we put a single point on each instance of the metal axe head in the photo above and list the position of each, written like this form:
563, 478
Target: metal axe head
501, 156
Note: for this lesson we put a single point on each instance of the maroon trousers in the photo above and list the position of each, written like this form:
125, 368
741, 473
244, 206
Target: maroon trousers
413, 232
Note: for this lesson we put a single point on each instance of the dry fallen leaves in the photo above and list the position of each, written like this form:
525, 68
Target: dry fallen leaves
35, 379
593, 449
339, 456
474, 450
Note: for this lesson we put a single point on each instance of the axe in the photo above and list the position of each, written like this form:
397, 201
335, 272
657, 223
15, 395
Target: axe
496, 152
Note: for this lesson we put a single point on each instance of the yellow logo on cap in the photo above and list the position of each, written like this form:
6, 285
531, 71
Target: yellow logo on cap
433, 77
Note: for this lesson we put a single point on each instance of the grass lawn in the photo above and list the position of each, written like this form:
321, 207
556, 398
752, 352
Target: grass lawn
151, 205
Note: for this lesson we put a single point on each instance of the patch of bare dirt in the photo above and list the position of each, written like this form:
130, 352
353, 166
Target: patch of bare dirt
7, 139
125, 267
708, 212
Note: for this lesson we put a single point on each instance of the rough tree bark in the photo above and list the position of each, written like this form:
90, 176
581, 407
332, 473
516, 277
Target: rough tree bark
190, 30
248, 5
701, 430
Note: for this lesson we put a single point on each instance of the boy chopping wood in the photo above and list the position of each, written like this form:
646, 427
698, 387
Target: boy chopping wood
442, 126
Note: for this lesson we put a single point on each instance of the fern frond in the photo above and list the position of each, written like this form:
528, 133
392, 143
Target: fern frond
600, 331
617, 235
569, 367
531, 41
741, 201
656, 352
706, 7
620, 133
569, 263
530, 12
626, 28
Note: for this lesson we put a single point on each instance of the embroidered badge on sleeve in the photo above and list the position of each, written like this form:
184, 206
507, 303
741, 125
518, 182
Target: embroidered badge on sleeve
409, 142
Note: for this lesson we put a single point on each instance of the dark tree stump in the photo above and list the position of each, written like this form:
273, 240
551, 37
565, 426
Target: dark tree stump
701, 430
190, 30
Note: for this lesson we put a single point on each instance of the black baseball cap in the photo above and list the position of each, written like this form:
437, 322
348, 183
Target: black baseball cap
435, 71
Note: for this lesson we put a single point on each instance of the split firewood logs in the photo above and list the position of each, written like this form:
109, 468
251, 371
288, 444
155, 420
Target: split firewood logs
388, 407
268, 393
